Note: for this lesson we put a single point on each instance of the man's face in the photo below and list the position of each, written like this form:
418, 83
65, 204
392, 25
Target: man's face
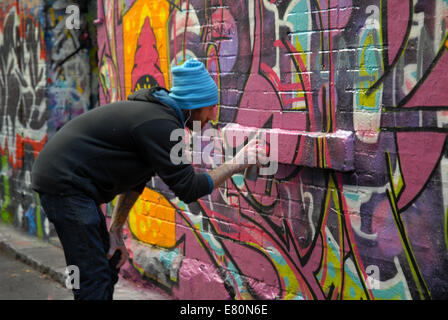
203, 115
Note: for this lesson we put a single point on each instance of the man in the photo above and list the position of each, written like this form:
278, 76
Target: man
114, 150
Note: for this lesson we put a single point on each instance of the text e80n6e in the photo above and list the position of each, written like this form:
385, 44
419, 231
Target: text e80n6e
244, 309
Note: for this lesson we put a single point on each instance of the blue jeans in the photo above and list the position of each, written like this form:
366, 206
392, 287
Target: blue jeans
82, 230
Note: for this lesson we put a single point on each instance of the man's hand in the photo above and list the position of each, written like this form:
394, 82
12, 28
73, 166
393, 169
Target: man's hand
125, 202
254, 153
117, 243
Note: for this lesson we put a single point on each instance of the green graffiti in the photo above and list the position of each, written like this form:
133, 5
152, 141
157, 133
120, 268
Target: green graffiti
40, 233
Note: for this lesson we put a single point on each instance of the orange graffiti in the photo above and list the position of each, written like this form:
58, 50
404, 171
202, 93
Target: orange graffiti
152, 219
133, 21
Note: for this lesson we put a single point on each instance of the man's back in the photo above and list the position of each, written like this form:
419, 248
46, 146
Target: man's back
96, 152
112, 149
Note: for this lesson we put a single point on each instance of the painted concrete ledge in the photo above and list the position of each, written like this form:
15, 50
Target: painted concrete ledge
334, 150
49, 259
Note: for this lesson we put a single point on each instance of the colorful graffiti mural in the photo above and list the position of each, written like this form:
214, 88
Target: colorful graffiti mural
72, 87
42, 86
355, 90
374, 69
23, 105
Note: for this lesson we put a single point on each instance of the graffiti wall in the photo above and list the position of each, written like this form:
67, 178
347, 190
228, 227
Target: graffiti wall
358, 207
356, 91
45, 80
71, 54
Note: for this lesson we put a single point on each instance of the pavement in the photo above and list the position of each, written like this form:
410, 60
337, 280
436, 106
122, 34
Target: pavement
47, 258
18, 281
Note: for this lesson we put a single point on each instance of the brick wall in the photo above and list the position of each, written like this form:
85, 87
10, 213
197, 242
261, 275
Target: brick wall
355, 91
47, 77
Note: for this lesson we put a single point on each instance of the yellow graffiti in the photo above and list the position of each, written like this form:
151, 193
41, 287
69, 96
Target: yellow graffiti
212, 51
152, 219
338, 275
396, 178
297, 77
367, 101
330, 274
353, 288
158, 14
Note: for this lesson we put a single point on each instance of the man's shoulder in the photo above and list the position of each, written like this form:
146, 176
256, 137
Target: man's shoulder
159, 126
140, 110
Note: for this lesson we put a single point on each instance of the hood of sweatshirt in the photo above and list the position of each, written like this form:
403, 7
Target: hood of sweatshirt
157, 95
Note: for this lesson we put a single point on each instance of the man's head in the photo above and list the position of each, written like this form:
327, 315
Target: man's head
194, 89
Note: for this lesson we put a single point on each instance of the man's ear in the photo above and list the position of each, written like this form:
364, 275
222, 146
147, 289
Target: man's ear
195, 112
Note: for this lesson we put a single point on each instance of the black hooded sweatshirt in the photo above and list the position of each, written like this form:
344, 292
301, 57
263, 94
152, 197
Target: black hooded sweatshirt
116, 148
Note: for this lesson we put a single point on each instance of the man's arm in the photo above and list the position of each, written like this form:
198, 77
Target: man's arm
125, 202
224, 172
248, 156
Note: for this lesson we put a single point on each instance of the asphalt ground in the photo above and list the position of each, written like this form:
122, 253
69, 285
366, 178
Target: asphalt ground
34, 269
19, 281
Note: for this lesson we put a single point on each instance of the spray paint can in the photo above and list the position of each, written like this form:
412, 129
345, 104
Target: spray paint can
251, 173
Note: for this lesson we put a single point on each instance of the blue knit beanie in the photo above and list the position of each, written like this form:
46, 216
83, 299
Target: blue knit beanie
193, 87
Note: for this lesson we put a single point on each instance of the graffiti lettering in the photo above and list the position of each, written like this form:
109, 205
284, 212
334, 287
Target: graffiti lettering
376, 69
